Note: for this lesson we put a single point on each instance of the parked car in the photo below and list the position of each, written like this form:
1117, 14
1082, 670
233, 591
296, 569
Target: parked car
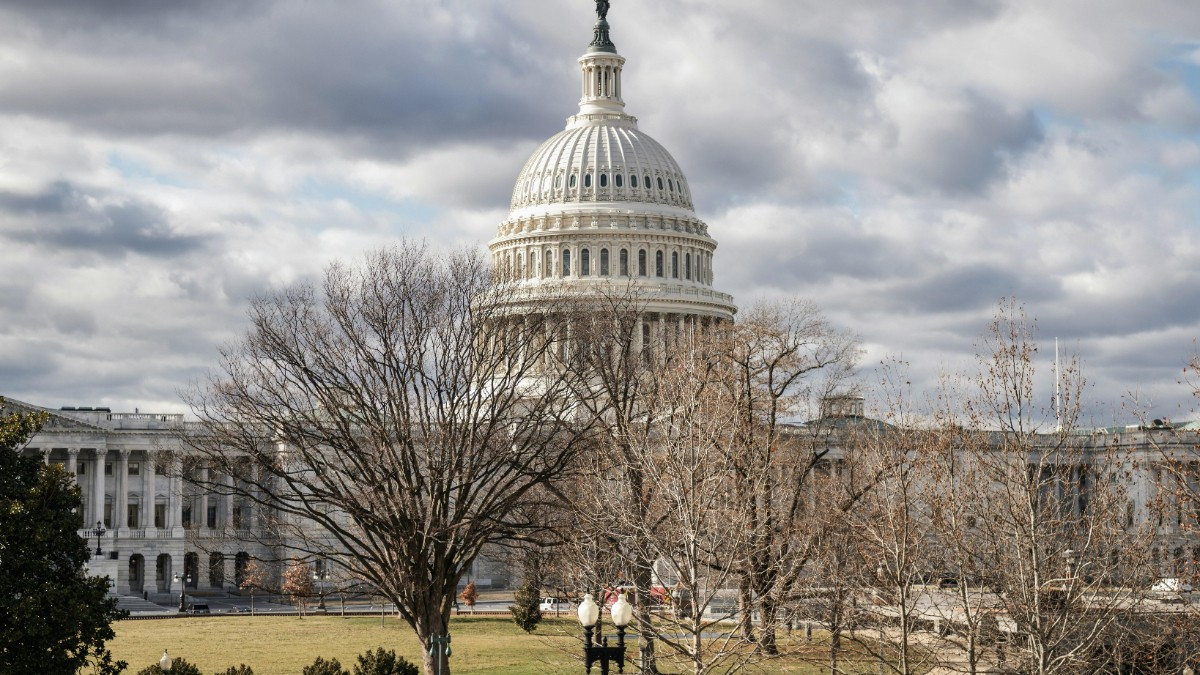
554, 605
1170, 590
198, 608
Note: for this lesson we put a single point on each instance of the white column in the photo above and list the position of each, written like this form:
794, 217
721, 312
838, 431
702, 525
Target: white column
98, 488
46, 456
250, 518
661, 339
227, 502
175, 498
203, 515
121, 490
73, 463
148, 479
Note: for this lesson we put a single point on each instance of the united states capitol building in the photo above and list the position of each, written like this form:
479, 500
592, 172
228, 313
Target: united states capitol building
599, 202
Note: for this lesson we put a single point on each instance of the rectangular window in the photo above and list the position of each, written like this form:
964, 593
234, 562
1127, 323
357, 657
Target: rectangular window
186, 515
237, 517
80, 468
135, 468
131, 515
108, 468
108, 514
160, 515
212, 515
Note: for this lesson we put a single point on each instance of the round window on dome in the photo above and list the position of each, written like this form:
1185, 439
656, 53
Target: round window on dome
571, 182
603, 180
587, 180
618, 180
670, 185
557, 182
633, 180
646, 182
660, 183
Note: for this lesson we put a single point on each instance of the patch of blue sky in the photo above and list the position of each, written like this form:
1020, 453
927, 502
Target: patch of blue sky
1049, 118
1183, 63
134, 170
410, 210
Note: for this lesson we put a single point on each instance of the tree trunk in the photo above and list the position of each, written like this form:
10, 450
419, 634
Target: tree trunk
436, 623
745, 608
644, 615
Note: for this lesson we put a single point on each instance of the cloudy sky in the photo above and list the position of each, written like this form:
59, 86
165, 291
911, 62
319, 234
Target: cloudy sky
903, 163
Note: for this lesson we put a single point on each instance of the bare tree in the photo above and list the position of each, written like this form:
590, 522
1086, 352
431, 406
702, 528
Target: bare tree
392, 419
1049, 534
779, 362
297, 584
683, 521
890, 528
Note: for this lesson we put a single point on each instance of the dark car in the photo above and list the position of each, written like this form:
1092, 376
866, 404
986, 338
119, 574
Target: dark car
199, 608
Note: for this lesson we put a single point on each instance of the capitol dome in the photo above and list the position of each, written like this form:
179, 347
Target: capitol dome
602, 202
601, 162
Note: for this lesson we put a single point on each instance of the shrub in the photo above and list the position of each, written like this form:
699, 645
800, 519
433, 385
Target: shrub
525, 610
323, 667
469, 594
381, 662
180, 666
241, 669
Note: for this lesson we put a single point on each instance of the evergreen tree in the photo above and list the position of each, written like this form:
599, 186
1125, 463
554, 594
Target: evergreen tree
179, 666
381, 662
322, 667
53, 617
526, 608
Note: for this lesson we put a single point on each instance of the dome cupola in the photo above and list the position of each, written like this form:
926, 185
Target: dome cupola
603, 202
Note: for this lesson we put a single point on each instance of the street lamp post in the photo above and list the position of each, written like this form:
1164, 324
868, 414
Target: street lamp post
436, 641
319, 580
187, 579
596, 648
164, 664
97, 532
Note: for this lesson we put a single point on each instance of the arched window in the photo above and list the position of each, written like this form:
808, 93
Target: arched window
658, 263
603, 180
571, 183
548, 264
642, 263
633, 180
674, 264
557, 182
532, 264
670, 185
660, 183
566, 266
603, 262
618, 178
587, 180
687, 266
646, 182
624, 262
585, 263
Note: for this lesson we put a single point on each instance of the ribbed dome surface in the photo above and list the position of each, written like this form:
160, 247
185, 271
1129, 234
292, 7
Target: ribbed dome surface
609, 160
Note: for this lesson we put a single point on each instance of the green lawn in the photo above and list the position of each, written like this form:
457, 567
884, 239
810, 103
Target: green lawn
284, 645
